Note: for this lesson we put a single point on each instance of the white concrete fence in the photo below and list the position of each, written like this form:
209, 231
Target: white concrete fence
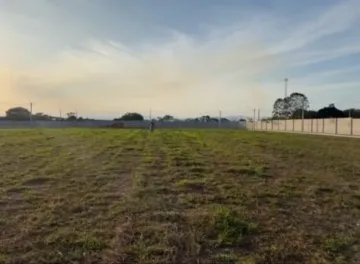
336, 126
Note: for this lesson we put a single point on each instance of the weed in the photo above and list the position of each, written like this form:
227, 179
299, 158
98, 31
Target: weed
339, 245
226, 258
192, 184
246, 260
230, 227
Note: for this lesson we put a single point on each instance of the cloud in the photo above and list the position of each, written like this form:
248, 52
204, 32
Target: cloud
104, 62
336, 19
318, 56
171, 75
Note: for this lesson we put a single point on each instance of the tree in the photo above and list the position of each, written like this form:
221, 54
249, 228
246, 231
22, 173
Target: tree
352, 112
205, 118
71, 116
18, 113
131, 116
288, 106
167, 118
279, 108
297, 101
308, 114
41, 116
330, 112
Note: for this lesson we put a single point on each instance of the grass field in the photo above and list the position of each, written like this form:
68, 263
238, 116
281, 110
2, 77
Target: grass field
192, 196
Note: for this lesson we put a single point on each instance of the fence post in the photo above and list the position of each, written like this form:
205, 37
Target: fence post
351, 126
302, 125
312, 125
272, 125
336, 126
285, 126
323, 125
293, 124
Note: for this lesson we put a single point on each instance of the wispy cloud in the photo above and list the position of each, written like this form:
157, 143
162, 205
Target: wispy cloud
336, 19
171, 75
111, 59
312, 57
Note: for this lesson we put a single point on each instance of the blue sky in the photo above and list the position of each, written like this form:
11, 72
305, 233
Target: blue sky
187, 58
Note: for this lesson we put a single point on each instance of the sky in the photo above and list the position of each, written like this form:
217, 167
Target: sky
103, 58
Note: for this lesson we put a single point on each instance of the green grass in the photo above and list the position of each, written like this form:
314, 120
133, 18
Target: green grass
178, 196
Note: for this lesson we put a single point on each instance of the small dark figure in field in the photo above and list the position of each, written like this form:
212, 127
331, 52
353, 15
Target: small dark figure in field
152, 126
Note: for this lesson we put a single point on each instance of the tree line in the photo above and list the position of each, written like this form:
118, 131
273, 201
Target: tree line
297, 106
21, 113
169, 118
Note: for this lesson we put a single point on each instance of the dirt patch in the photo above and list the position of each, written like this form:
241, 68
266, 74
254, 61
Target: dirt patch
37, 181
18, 189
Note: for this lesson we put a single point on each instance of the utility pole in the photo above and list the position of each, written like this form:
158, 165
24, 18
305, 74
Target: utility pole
31, 107
150, 114
254, 119
302, 117
286, 101
302, 112
219, 118
286, 87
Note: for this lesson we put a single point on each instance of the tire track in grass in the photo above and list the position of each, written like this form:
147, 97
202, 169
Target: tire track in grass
283, 207
242, 190
234, 177
148, 236
223, 200
246, 171
165, 227
82, 199
130, 243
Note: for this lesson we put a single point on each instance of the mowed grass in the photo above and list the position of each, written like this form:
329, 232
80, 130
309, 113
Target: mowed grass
191, 196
